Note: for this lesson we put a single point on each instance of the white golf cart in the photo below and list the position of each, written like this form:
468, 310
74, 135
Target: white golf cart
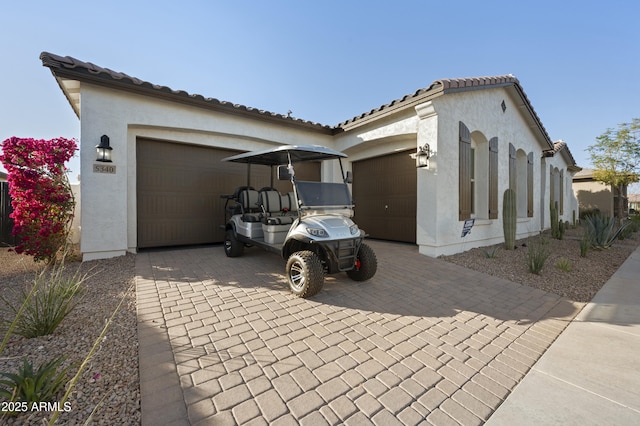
310, 226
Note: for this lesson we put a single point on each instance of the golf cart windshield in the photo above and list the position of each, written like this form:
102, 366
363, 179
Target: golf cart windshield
322, 194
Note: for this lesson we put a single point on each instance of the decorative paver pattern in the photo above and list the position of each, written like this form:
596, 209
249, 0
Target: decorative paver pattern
224, 342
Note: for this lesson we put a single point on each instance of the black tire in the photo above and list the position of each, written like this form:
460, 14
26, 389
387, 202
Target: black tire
305, 273
366, 264
232, 247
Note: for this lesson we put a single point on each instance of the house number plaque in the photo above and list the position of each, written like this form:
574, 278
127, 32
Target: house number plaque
104, 168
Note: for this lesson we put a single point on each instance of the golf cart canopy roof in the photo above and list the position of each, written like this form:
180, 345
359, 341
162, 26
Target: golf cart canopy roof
281, 154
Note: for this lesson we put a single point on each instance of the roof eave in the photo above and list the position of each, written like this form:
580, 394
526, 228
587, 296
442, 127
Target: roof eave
81, 75
444, 87
395, 106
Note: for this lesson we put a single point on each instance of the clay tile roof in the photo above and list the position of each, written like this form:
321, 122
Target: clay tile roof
66, 67
453, 85
560, 147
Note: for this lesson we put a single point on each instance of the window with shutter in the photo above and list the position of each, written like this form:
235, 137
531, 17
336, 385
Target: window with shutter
561, 185
464, 173
512, 166
530, 184
493, 178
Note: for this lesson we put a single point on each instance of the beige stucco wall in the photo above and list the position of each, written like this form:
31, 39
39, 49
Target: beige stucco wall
109, 200
439, 230
108, 207
594, 195
437, 123
76, 223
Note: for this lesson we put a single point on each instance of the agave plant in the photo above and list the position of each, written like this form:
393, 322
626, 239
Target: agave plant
602, 231
40, 385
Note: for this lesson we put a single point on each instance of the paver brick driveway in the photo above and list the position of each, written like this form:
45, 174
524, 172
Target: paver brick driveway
222, 341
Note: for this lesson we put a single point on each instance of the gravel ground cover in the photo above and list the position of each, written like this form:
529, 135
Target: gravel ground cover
587, 275
111, 379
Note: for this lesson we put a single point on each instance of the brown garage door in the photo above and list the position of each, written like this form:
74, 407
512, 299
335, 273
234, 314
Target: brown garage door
384, 190
179, 188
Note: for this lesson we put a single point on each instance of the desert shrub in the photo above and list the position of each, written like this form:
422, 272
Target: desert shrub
490, 253
29, 386
626, 232
537, 256
41, 195
603, 231
564, 264
588, 212
585, 244
38, 309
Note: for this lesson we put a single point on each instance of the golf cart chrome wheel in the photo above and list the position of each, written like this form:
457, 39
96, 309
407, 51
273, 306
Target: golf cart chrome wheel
305, 273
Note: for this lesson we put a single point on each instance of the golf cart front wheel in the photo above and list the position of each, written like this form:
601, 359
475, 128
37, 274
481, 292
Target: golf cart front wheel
305, 273
366, 264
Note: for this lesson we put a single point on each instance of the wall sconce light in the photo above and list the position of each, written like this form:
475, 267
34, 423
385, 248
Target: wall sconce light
104, 150
422, 156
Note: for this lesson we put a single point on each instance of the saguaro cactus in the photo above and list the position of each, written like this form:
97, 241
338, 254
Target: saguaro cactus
553, 213
509, 218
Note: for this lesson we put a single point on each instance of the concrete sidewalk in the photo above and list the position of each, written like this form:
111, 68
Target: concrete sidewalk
591, 374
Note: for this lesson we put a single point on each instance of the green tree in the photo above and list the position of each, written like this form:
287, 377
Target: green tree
616, 158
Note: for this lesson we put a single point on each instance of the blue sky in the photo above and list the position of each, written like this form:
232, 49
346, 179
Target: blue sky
329, 60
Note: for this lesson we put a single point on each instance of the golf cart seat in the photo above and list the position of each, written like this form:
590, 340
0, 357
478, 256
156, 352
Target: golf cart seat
288, 202
272, 209
248, 200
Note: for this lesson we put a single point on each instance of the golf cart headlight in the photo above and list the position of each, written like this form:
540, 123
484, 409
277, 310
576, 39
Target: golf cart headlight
317, 232
354, 229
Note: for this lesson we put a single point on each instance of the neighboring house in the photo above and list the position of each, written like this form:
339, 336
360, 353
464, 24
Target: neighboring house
3, 177
163, 187
634, 203
593, 195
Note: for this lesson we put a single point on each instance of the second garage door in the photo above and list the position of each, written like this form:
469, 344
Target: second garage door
384, 190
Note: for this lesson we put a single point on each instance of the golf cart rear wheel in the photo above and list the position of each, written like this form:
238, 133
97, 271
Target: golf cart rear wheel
305, 273
366, 264
232, 247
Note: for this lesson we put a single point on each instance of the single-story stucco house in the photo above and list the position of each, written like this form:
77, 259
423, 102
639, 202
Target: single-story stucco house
164, 183
634, 203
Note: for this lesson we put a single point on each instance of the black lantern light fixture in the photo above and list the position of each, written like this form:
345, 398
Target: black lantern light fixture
422, 156
104, 150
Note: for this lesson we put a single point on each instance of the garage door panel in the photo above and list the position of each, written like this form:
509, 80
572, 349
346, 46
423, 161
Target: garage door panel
384, 189
178, 192
179, 188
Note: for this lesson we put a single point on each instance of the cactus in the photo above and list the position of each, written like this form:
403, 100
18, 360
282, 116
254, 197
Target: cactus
509, 218
562, 226
555, 228
573, 222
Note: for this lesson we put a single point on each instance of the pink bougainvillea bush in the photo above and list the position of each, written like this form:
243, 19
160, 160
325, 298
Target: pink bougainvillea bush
41, 195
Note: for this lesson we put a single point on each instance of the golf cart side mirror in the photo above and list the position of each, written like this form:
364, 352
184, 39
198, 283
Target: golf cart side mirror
283, 173
349, 177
